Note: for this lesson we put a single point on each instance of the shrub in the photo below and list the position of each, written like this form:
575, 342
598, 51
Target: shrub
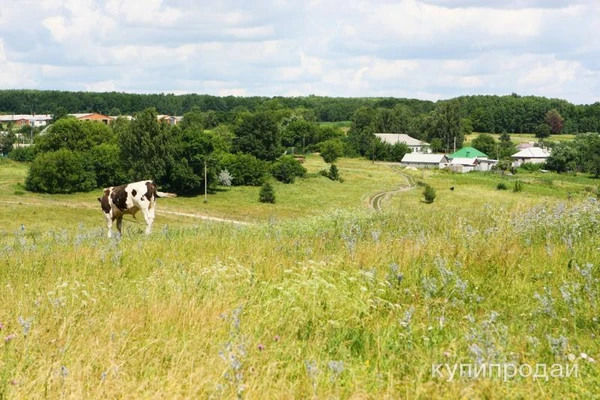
333, 173
244, 168
62, 171
502, 186
518, 186
266, 194
429, 194
331, 150
531, 167
286, 169
24, 154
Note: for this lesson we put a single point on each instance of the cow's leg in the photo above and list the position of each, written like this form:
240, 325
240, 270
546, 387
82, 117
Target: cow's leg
120, 225
149, 218
109, 222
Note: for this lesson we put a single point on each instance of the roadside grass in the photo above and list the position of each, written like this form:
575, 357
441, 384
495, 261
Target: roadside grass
344, 303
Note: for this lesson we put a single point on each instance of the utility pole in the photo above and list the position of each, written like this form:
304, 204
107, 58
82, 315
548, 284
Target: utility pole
205, 184
454, 144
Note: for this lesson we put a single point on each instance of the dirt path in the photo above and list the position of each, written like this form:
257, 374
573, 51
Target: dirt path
375, 202
89, 206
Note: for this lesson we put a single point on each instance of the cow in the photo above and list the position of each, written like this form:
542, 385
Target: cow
129, 199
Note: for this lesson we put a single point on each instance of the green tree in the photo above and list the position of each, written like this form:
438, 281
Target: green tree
258, 134
543, 131
75, 135
564, 157
436, 145
506, 147
145, 147
266, 194
245, 168
286, 169
446, 125
6, 142
331, 150
299, 134
361, 134
62, 171
486, 144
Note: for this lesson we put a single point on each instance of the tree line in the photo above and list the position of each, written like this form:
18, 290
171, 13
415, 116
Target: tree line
74, 155
492, 114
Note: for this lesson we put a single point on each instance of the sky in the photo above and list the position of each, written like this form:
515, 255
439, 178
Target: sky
425, 49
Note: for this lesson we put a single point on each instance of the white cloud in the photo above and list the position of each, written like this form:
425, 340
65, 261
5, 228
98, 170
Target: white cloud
409, 48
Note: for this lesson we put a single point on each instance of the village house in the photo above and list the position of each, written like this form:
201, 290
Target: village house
26, 119
105, 119
415, 145
532, 155
424, 161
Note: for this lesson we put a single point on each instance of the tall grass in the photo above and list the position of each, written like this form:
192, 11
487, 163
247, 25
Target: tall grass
351, 303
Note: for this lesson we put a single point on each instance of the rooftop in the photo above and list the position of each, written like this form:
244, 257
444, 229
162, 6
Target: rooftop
393, 138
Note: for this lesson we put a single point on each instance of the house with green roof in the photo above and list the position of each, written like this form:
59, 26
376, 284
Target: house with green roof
468, 152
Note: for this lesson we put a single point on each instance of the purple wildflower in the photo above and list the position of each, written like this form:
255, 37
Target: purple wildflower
261, 347
9, 338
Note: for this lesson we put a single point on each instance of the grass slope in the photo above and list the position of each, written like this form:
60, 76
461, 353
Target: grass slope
346, 303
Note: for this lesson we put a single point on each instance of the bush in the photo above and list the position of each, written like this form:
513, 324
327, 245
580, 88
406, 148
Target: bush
23, 154
286, 169
531, 167
333, 173
331, 150
429, 194
62, 171
245, 169
266, 194
502, 186
518, 186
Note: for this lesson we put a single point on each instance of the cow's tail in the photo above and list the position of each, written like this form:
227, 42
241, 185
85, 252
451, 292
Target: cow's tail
164, 194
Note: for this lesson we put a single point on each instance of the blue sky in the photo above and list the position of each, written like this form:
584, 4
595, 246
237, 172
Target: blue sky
427, 49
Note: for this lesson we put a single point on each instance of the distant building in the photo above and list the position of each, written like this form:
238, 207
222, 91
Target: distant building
92, 117
416, 145
532, 155
26, 119
417, 160
169, 119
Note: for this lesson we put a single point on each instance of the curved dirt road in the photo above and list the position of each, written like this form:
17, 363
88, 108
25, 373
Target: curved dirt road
375, 202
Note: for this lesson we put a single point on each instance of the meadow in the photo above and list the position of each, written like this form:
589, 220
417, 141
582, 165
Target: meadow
320, 297
519, 138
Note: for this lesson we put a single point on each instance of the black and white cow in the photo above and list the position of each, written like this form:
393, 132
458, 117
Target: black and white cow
129, 199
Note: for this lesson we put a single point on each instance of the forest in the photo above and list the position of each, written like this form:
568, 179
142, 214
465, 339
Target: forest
492, 114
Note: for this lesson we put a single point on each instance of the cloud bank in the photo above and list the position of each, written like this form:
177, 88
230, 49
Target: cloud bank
429, 49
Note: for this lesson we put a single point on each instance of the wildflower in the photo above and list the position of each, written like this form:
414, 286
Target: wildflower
447, 354
14, 382
571, 357
261, 347
276, 338
9, 338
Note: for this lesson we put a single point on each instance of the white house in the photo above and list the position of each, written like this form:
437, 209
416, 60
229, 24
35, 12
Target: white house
34, 120
416, 145
533, 155
417, 160
463, 165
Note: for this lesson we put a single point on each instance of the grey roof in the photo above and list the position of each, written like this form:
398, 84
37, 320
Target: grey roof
532, 152
415, 158
393, 138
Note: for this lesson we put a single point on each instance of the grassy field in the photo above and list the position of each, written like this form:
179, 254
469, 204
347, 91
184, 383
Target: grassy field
321, 298
524, 137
